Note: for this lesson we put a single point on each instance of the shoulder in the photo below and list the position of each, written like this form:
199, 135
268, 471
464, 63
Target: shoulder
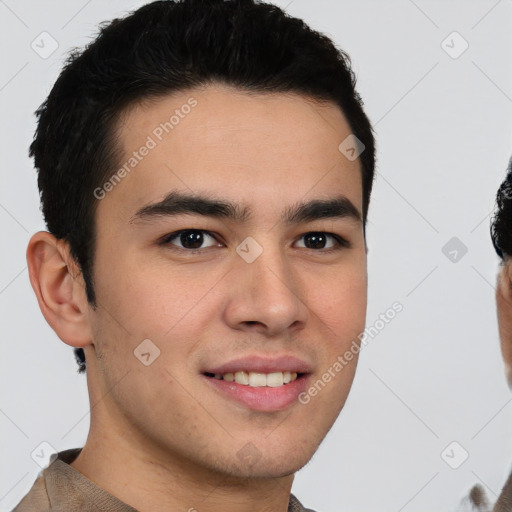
477, 500
36, 500
295, 505
504, 502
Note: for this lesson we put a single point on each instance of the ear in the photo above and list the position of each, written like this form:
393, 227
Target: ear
59, 287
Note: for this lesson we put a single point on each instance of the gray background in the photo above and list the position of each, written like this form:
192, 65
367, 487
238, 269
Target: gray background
434, 374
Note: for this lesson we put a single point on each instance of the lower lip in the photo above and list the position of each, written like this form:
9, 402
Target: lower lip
261, 398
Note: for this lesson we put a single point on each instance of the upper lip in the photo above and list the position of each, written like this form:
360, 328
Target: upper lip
263, 364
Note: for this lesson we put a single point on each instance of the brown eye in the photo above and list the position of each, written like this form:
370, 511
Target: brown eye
191, 239
319, 239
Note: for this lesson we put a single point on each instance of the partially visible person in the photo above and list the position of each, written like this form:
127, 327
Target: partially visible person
501, 233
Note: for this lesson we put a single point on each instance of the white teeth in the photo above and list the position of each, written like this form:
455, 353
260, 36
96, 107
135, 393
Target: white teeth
258, 380
241, 378
275, 380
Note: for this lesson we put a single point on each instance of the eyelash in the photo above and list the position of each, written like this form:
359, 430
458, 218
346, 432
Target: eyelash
341, 243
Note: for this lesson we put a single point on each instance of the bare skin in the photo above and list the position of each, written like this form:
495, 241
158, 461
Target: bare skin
161, 437
504, 309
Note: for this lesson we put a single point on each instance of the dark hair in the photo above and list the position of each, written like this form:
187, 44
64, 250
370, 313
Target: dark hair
164, 47
501, 223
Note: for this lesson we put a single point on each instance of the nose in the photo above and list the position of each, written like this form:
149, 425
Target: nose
265, 296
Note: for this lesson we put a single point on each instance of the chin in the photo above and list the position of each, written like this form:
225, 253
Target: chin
272, 469
271, 464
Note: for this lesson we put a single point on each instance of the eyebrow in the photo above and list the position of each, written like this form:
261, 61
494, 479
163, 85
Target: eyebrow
177, 203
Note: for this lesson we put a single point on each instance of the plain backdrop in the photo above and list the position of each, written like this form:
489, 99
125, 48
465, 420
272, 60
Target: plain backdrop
429, 414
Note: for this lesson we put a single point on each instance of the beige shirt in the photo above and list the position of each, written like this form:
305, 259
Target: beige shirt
478, 499
61, 488
504, 503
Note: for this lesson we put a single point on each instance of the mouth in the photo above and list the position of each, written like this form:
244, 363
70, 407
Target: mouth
259, 383
257, 379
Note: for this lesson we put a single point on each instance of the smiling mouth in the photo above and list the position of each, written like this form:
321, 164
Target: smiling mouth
257, 379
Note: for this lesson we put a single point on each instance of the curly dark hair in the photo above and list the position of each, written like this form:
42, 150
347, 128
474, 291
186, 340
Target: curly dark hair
161, 48
501, 223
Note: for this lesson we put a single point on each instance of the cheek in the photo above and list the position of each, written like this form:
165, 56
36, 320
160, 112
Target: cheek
341, 304
158, 302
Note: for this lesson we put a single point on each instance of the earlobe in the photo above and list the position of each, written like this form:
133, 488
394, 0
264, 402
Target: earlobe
59, 288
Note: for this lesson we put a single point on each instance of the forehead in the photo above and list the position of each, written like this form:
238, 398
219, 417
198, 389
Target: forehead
253, 148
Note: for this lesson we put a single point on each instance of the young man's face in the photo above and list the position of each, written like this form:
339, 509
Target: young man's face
213, 297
